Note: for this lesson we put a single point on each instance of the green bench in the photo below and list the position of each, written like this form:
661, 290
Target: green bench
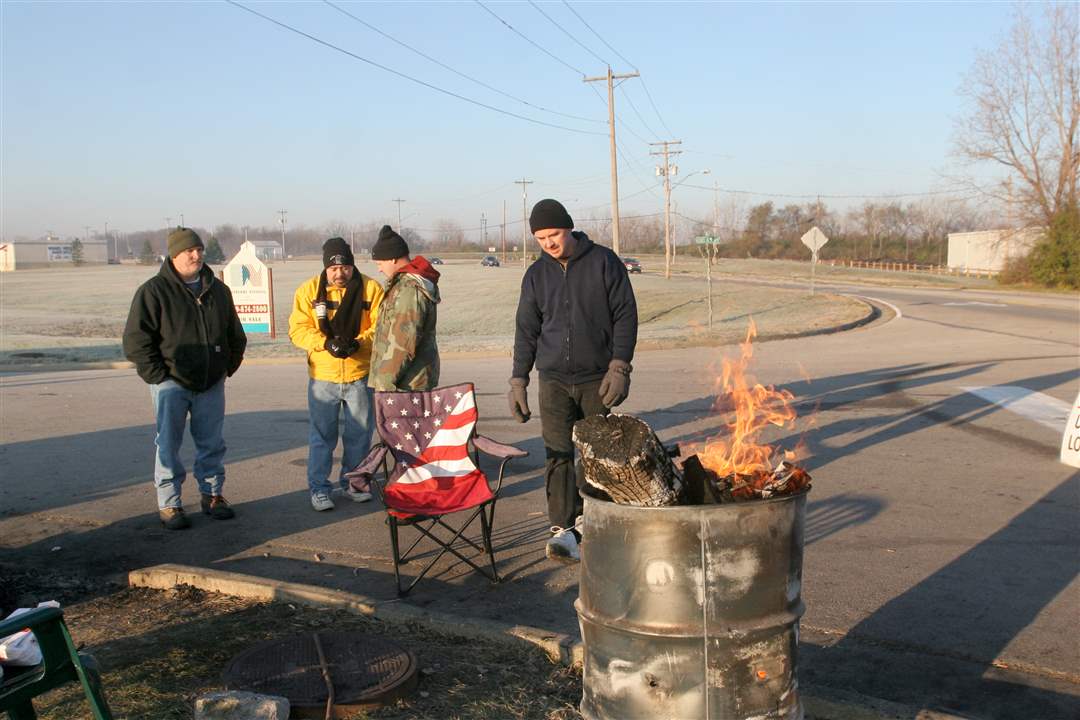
61, 663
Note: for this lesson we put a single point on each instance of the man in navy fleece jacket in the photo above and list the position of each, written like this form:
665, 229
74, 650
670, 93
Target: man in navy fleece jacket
577, 323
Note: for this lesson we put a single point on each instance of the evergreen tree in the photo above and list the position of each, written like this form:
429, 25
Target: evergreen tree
147, 256
77, 256
214, 253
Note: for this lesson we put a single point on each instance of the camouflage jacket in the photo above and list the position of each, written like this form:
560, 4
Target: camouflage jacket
404, 353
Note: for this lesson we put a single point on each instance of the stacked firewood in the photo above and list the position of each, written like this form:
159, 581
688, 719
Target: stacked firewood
623, 460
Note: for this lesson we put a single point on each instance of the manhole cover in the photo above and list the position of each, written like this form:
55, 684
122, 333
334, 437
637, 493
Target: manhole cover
365, 671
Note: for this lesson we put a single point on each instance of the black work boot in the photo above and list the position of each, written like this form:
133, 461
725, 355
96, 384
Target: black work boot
174, 519
217, 507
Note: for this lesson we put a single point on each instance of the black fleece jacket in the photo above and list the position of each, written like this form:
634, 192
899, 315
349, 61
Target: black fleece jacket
171, 333
572, 321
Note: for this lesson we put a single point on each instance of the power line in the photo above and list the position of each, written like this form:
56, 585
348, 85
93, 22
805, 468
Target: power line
428, 85
886, 196
556, 58
633, 107
567, 33
623, 58
443, 65
571, 9
655, 109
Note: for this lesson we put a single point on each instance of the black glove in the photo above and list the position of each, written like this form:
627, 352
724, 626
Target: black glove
519, 399
341, 347
616, 383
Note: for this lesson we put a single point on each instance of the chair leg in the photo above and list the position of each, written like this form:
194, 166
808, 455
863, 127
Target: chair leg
95, 693
485, 533
24, 711
391, 521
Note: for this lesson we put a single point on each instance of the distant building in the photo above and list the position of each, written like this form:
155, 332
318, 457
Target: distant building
989, 250
267, 250
49, 252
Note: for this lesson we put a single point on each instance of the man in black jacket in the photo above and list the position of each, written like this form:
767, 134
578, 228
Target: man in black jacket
577, 323
184, 336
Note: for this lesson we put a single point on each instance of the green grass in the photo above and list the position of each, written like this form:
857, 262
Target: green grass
78, 314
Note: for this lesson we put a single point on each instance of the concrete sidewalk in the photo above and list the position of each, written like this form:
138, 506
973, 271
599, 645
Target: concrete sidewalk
819, 703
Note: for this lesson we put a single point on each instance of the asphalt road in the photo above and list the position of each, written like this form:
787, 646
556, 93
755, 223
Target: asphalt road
943, 536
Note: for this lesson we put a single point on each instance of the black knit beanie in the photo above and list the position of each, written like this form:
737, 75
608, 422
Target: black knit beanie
182, 239
389, 246
336, 251
548, 214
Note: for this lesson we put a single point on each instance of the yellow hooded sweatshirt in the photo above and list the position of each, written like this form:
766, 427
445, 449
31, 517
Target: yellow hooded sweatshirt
305, 333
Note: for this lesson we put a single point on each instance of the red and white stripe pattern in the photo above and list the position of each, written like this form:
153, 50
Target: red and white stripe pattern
428, 433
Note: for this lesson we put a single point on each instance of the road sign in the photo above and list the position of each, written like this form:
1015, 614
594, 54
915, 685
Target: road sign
252, 286
1070, 442
707, 240
814, 239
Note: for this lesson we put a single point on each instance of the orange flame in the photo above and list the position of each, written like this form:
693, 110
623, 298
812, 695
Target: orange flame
752, 408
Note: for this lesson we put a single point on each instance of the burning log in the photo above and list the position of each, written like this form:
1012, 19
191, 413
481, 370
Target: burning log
622, 457
705, 487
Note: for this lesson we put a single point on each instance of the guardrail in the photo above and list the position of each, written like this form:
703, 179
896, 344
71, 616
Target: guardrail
889, 266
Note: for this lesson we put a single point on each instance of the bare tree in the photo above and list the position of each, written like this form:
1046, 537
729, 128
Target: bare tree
1024, 107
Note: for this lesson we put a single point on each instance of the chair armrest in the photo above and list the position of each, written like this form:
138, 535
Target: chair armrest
489, 447
365, 471
34, 618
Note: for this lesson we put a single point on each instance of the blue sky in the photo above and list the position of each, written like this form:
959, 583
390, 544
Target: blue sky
132, 112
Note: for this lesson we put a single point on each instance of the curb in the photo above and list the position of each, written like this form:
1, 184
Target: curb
559, 647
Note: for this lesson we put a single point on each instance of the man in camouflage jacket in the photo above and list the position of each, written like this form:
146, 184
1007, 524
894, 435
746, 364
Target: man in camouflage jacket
404, 353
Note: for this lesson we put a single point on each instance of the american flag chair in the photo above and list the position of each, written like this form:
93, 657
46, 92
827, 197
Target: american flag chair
431, 437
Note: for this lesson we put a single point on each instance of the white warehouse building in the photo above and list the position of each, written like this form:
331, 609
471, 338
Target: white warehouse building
989, 250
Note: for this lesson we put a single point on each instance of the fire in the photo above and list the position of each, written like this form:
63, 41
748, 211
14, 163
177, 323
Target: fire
751, 407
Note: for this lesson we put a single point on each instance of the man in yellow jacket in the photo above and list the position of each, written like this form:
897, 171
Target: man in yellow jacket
333, 319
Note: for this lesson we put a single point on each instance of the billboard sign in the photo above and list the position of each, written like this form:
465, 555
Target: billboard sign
252, 286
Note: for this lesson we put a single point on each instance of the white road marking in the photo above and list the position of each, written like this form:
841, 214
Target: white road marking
1037, 406
976, 302
885, 302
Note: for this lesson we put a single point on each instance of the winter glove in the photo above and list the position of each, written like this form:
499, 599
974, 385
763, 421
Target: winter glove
340, 347
616, 383
519, 399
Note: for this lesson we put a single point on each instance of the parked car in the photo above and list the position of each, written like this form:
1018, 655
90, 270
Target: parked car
632, 265
490, 261
436, 261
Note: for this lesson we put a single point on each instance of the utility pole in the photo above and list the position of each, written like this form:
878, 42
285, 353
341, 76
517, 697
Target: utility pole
398, 201
182, 220
666, 171
284, 255
524, 217
502, 233
107, 241
610, 78
483, 231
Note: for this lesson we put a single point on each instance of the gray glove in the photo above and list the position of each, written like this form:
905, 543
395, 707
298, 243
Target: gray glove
519, 399
616, 383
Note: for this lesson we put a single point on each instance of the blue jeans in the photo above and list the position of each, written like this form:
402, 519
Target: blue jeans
326, 403
173, 403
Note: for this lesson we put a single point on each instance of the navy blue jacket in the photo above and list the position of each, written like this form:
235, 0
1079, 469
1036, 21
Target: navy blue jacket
572, 321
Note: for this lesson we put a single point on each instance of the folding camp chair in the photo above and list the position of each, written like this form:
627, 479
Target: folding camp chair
432, 439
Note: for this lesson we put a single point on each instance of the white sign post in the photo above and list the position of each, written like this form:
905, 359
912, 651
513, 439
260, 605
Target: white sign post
815, 240
252, 286
1070, 441
710, 242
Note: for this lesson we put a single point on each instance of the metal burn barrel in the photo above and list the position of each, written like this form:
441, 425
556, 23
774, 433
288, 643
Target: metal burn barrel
691, 612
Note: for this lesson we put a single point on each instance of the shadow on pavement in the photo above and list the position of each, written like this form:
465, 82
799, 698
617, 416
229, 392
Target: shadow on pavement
942, 635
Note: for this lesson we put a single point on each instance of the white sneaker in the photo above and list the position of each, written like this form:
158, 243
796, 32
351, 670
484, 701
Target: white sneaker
563, 546
321, 501
356, 495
